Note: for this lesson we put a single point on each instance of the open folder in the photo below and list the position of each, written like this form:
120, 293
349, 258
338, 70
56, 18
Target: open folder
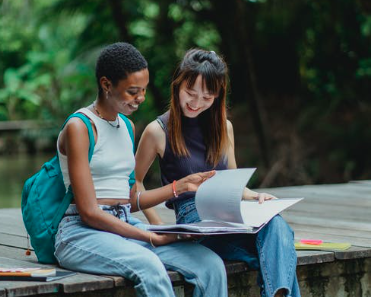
219, 205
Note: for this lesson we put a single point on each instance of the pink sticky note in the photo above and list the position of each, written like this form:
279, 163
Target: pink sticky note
311, 241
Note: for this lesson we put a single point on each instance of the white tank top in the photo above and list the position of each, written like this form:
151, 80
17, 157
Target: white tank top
112, 162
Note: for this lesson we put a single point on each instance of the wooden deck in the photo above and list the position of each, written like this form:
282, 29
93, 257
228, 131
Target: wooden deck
334, 213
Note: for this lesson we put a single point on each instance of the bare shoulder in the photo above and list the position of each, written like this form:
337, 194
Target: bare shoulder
153, 139
154, 131
75, 125
229, 127
75, 130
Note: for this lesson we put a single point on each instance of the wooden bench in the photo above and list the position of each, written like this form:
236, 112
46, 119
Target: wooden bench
335, 213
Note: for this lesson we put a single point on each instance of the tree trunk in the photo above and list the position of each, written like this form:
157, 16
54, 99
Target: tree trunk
243, 82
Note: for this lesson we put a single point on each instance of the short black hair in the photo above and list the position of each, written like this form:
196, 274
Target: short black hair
116, 61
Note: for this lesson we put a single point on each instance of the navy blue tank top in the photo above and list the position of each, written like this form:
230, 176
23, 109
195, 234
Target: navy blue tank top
174, 167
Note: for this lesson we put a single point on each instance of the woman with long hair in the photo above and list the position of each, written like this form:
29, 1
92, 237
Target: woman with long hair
194, 135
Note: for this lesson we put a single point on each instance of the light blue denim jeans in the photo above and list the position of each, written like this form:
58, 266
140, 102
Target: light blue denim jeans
81, 248
271, 250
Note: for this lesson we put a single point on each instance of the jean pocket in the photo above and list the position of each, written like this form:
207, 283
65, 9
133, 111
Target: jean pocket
187, 214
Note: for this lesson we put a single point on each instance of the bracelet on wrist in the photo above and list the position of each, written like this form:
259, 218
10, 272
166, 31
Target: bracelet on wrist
138, 202
174, 189
150, 240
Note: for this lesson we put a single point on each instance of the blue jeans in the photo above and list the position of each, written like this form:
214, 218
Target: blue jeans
271, 250
85, 249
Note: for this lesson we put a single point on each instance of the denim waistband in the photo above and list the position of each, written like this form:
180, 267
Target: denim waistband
118, 210
182, 204
186, 212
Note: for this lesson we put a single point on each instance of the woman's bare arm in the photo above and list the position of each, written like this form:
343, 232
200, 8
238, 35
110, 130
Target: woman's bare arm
150, 213
151, 144
75, 142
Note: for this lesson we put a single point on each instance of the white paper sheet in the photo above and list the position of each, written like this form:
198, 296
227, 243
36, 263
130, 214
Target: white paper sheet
218, 198
219, 205
255, 214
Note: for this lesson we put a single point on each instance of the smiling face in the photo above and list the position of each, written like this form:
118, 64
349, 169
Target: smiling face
195, 99
126, 96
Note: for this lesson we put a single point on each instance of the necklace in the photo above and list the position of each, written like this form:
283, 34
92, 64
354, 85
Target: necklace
115, 123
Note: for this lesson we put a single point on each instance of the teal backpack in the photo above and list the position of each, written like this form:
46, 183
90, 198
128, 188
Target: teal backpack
45, 200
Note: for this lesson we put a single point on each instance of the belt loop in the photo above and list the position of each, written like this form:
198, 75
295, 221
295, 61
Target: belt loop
126, 214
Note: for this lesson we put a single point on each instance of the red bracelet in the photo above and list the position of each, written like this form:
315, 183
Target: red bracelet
174, 189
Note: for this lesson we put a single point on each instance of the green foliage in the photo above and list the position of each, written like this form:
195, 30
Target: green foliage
44, 79
308, 63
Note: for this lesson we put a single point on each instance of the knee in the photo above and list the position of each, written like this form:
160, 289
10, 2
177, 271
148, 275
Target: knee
280, 227
277, 231
212, 264
153, 265
143, 268
150, 276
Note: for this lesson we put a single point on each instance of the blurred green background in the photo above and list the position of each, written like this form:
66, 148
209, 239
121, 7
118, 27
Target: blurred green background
300, 78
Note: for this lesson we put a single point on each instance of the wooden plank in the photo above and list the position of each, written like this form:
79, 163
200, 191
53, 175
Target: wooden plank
17, 253
336, 197
317, 221
13, 241
333, 199
354, 252
348, 223
351, 185
120, 281
19, 288
361, 182
363, 188
332, 211
330, 231
314, 257
12, 214
13, 228
11, 222
85, 282
344, 191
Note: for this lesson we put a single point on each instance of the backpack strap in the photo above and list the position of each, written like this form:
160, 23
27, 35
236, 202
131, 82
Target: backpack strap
69, 194
87, 123
131, 133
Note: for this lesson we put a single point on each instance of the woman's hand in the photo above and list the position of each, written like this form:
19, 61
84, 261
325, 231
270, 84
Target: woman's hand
191, 182
261, 197
252, 195
157, 239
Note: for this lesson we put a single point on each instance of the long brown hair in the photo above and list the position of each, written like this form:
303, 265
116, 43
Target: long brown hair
214, 73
